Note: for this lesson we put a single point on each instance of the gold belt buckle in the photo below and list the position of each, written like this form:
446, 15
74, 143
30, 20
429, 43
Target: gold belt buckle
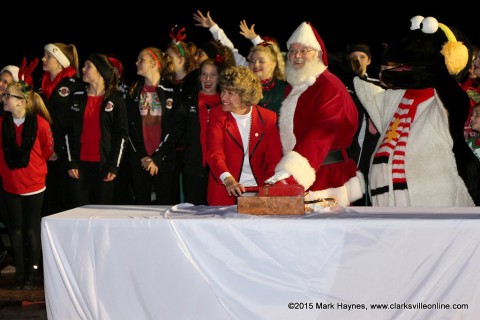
324, 202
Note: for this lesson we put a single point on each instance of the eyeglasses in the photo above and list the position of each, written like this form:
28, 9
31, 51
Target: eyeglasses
304, 51
7, 96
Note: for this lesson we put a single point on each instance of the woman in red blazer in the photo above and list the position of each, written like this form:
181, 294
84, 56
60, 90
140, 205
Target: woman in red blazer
243, 139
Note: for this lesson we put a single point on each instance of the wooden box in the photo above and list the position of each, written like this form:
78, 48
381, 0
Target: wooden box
271, 205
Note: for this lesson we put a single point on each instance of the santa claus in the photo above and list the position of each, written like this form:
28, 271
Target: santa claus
318, 120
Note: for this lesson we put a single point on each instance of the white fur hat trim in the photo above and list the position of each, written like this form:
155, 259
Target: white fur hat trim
13, 71
305, 36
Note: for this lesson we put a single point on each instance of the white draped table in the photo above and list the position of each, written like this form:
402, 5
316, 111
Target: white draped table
198, 262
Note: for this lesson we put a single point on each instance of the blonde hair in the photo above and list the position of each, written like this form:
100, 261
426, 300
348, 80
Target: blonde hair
187, 52
158, 56
164, 66
242, 80
273, 50
34, 102
70, 51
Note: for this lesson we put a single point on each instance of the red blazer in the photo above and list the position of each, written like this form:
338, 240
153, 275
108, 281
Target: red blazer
225, 150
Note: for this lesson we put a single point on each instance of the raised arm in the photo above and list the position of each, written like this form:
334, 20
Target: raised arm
203, 21
206, 21
249, 33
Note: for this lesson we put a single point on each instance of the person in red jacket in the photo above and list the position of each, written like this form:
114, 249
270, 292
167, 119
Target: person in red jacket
243, 138
26, 145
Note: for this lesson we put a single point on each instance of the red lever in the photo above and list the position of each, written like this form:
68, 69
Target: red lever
278, 190
251, 189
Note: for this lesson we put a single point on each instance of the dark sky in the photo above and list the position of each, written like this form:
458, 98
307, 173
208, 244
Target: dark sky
125, 30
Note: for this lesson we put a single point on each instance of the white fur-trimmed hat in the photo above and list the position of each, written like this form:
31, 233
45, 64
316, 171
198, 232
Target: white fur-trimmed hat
306, 35
13, 70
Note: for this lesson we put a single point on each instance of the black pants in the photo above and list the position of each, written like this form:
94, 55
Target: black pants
166, 185
3, 216
90, 187
57, 195
24, 215
123, 194
195, 187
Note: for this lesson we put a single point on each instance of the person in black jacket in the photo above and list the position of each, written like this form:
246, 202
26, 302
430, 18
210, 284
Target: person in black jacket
59, 81
96, 133
157, 121
195, 168
346, 65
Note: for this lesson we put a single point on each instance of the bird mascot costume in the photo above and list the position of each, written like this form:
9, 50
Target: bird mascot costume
422, 159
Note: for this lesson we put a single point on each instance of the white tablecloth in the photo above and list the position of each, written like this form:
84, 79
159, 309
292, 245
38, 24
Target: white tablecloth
151, 262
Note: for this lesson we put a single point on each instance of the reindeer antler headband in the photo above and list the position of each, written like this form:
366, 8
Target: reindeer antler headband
25, 74
178, 35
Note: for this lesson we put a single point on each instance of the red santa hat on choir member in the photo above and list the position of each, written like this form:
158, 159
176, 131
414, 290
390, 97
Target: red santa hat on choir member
117, 64
306, 35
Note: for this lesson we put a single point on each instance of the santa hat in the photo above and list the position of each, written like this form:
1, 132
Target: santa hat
13, 70
117, 64
306, 35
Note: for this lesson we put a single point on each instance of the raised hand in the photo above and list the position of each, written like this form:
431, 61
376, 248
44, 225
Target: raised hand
247, 32
203, 21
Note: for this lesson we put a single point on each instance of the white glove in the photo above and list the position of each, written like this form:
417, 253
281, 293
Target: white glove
280, 175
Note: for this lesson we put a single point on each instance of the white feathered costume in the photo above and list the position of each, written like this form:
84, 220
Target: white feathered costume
430, 169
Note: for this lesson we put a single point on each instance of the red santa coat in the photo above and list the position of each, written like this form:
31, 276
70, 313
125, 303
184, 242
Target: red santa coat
316, 118
226, 151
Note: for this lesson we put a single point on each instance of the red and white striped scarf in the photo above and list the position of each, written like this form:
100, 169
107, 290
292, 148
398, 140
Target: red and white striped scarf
394, 144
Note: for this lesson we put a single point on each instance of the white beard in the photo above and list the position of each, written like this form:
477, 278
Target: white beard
300, 79
304, 75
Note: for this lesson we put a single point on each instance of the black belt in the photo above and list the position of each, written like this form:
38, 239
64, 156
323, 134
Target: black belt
333, 156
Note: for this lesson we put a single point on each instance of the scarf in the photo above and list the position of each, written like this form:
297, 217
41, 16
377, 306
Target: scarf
267, 84
49, 85
393, 146
18, 156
